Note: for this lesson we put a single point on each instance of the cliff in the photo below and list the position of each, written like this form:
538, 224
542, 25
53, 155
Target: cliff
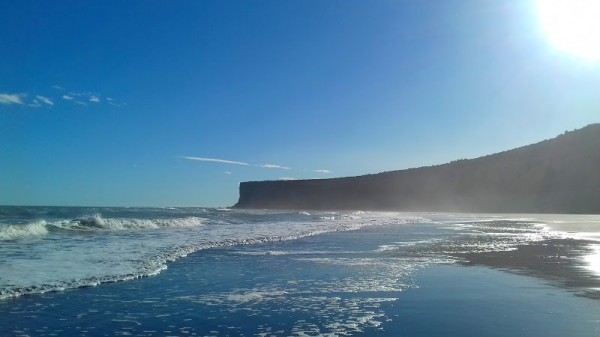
560, 175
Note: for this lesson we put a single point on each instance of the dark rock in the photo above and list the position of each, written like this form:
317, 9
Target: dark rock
560, 175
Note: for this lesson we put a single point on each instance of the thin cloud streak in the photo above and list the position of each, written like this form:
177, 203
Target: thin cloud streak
215, 160
11, 99
323, 171
274, 166
44, 100
233, 162
287, 178
35, 104
33, 100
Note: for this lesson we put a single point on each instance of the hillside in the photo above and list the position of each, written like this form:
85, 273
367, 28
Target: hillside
560, 175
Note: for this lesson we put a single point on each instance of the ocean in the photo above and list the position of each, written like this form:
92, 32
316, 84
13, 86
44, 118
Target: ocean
69, 271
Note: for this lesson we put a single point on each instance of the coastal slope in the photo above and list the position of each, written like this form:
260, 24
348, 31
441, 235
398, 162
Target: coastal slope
559, 175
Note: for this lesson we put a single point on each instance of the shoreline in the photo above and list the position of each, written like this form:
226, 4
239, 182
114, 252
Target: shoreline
339, 282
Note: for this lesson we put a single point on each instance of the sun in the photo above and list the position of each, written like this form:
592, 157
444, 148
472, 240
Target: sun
572, 26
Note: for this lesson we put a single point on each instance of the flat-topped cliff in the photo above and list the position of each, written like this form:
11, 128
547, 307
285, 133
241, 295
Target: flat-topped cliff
560, 175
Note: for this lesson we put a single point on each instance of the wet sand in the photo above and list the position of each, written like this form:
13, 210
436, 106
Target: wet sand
560, 262
479, 301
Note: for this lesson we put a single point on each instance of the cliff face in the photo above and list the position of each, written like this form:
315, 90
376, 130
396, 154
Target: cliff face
560, 175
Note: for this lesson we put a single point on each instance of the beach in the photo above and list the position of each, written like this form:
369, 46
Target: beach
300, 168
391, 274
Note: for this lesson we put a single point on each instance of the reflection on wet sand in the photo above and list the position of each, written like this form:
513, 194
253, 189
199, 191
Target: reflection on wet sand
562, 262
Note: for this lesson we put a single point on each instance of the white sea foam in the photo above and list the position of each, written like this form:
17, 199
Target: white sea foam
94, 249
93, 223
15, 232
395, 245
98, 222
291, 252
333, 315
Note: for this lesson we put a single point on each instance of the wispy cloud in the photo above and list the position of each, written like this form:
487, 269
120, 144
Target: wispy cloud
215, 160
287, 178
227, 172
274, 166
57, 96
84, 97
112, 102
323, 171
44, 100
233, 162
8, 99
35, 104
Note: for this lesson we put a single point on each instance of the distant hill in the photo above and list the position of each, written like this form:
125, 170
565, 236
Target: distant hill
560, 175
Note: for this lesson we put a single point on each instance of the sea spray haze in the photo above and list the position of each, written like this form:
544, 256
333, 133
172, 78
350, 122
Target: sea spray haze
558, 175
223, 272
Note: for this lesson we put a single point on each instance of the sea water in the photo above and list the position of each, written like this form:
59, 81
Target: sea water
223, 272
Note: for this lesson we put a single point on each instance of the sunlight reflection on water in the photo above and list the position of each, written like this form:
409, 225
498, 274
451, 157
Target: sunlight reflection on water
593, 260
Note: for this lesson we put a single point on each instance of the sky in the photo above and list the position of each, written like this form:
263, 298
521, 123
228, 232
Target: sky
174, 103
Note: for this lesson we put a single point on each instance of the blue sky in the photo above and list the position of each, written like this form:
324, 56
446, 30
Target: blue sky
116, 103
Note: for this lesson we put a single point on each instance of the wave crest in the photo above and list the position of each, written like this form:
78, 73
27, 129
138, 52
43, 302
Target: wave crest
92, 223
14, 232
98, 222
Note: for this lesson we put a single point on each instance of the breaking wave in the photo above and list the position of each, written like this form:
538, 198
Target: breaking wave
92, 223
14, 232
129, 248
97, 222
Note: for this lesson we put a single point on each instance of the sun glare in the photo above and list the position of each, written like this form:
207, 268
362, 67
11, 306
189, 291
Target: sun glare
572, 26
